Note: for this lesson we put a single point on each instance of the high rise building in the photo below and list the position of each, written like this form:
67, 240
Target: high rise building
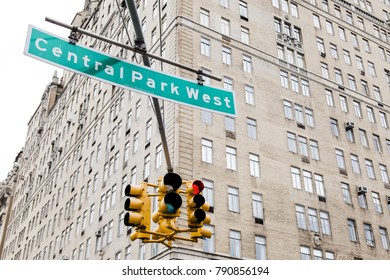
300, 173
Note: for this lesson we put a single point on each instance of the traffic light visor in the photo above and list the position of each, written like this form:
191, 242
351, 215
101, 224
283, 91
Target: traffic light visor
173, 180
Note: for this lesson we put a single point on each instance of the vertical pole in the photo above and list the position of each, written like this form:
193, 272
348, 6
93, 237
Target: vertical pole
140, 44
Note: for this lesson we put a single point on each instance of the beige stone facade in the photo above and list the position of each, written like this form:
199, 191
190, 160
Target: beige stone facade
301, 172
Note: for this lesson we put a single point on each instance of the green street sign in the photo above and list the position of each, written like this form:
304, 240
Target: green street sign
113, 70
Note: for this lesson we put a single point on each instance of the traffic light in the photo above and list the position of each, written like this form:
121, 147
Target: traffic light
138, 205
196, 210
169, 203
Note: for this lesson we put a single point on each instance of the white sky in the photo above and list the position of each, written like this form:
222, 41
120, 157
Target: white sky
23, 79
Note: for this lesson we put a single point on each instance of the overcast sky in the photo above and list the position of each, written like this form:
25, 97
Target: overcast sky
23, 79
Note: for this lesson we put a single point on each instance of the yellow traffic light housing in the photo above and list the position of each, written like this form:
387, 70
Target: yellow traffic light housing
169, 203
196, 210
138, 206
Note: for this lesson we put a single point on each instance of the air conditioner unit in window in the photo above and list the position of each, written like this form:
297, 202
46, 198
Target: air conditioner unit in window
323, 54
362, 72
388, 199
361, 190
349, 125
98, 233
64, 257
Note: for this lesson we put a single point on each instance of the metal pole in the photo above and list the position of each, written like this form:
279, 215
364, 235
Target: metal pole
140, 44
119, 44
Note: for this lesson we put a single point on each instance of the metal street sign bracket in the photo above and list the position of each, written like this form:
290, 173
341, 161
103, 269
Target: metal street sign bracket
139, 48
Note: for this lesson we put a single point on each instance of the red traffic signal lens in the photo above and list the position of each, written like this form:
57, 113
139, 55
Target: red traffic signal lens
197, 187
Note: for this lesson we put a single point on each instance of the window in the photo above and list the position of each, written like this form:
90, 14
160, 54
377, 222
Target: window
363, 138
224, 3
369, 235
329, 97
360, 23
371, 68
235, 243
208, 191
204, 17
294, 10
299, 114
317, 254
206, 117
147, 167
314, 150
384, 173
296, 177
355, 164
305, 87
346, 192
148, 130
324, 70
352, 230
377, 202
288, 111
209, 243
292, 142
338, 76
334, 127
284, 79
254, 165
252, 128
333, 51
340, 159
207, 151
342, 34
247, 63
384, 238
305, 253
205, 46
231, 155
370, 169
362, 199
243, 7
343, 104
260, 248
257, 205
294, 84
377, 143
316, 21
370, 113
225, 27
229, 124
325, 223
320, 45
307, 181
313, 219
303, 149
352, 82
357, 109
355, 41
244, 35
285, 6
329, 27
226, 55
233, 200
158, 156
301, 216
249, 95
383, 119
377, 94
320, 187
